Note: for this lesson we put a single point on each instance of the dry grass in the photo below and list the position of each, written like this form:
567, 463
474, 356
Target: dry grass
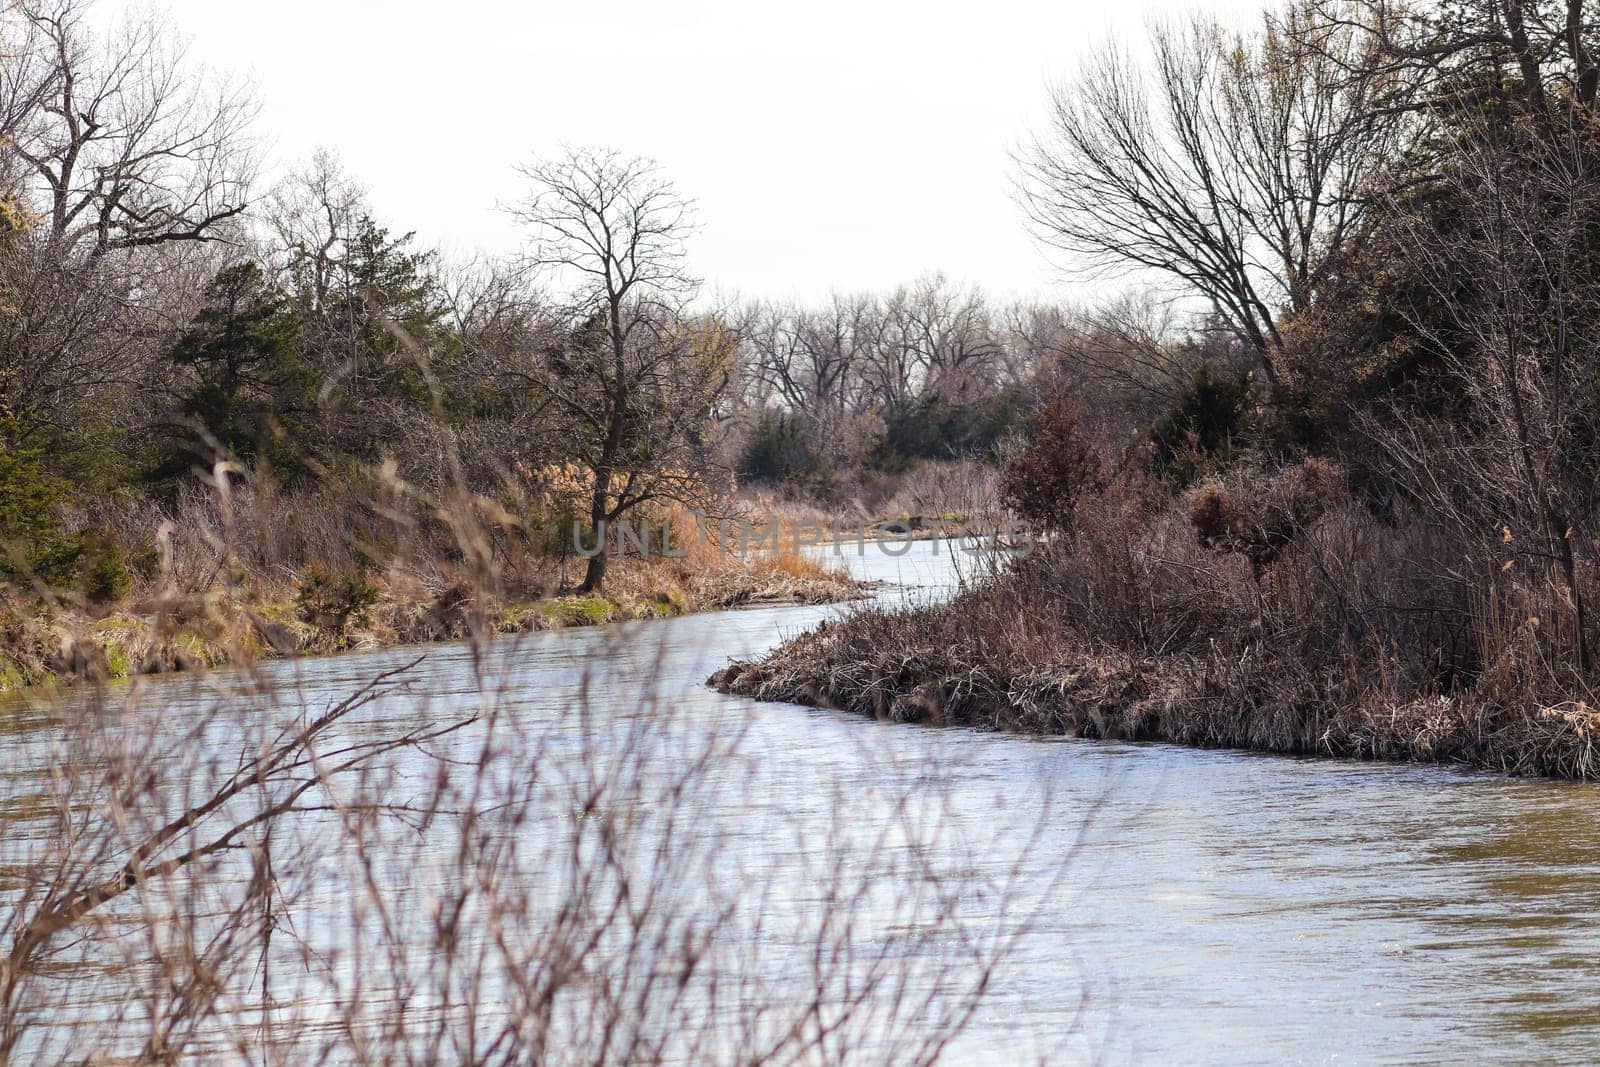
1349, 639
230, 570
720, 578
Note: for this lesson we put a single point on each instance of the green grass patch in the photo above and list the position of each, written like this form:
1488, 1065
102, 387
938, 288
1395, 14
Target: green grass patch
579, 610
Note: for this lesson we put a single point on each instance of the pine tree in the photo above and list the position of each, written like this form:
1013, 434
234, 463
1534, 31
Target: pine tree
248, 393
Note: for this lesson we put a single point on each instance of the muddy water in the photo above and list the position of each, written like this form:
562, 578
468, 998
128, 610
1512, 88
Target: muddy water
1216, 907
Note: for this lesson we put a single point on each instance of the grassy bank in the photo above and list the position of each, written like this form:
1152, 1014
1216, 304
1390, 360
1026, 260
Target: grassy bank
1148, 623
267, 580
42, 644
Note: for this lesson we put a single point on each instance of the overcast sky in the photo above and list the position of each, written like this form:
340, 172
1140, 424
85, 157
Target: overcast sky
829, 144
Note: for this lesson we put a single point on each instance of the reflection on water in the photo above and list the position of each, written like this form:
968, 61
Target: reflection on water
1220, 906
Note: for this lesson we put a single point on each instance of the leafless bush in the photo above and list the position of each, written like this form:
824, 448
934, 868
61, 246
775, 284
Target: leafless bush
1260, 517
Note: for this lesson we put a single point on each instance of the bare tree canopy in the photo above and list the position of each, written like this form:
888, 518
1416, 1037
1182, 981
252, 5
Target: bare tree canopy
636, 381
615, 223
123, 143
311, 218
1236, 166
1442, 50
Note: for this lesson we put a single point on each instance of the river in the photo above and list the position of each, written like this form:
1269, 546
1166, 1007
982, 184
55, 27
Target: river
1181, 905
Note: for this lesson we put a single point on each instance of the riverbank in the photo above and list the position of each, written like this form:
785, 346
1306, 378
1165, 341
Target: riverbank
44, 642
934, 666
1144, 624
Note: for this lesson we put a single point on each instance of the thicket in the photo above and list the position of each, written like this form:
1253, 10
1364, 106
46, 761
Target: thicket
1360, 516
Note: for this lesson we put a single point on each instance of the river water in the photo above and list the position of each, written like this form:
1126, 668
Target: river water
1193, 906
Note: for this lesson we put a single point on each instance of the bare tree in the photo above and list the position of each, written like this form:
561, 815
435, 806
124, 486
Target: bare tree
124, 145
311, 216
857, 356
1504, 50
1242, 176
810, 360
1031, 336
65, 336
1516, 303
775, 357
949, 337
635, 383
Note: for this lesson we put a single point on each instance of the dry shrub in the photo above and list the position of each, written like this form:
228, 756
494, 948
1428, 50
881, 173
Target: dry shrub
1259, 515
1047, 479
1297, 621
1133, 576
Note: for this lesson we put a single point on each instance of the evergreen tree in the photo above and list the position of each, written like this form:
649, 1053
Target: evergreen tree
376, 334
32, 545
248, 393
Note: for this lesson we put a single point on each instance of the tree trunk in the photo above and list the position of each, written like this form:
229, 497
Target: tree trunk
599, 498
595, 574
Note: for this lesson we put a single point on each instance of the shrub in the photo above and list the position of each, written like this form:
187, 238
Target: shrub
32, 546
1207, 426
779, 449
332, 602
1047, 479
103, 574
1258, 517
936, 427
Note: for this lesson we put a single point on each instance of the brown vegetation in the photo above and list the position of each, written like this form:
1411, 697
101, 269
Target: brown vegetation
1368, 525
1047, 478
1319, 628
255, 572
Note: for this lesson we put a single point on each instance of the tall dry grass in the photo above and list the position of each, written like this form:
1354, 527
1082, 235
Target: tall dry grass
1266, 625
237, 568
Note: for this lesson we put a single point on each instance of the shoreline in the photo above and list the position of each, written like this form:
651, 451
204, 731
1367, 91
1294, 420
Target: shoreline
1180, 699
41, 649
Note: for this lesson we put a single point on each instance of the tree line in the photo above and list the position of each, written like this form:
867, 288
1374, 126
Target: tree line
168, 316
1352, 229
1390, 210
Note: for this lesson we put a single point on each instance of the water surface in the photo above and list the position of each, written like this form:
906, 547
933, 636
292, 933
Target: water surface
1214, 906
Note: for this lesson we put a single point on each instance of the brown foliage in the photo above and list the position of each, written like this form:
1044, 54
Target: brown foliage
1296, 621
1258, 517
1047, 479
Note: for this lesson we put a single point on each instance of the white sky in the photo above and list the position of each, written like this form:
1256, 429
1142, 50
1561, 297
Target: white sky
830, 145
